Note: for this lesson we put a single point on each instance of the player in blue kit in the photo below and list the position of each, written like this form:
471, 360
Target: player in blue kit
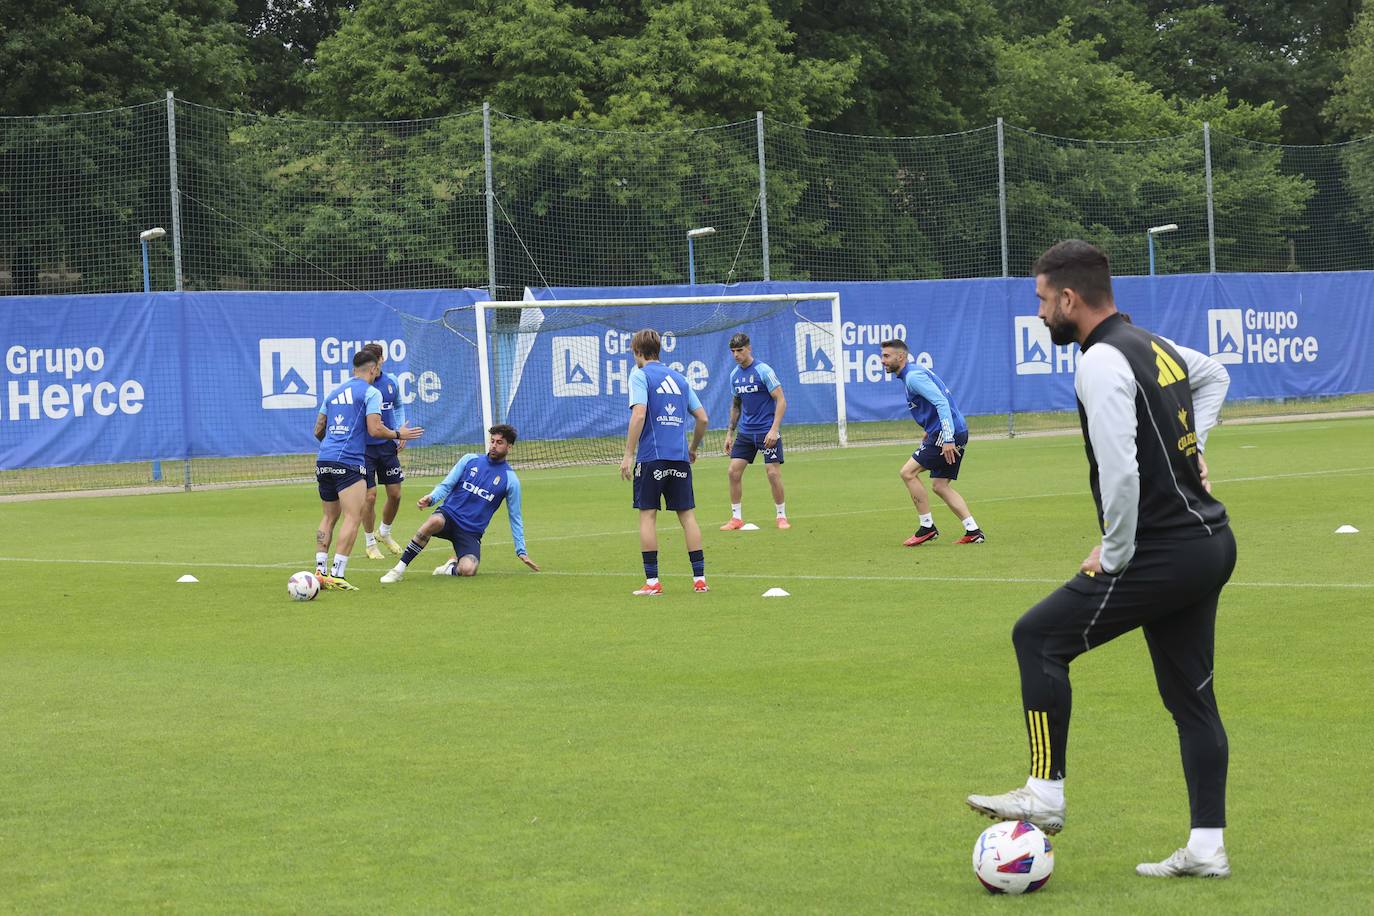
348, 415
658, 458
467, 499
942, 450
757, 411
383, 462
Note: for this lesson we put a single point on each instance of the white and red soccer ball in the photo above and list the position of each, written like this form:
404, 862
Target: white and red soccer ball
1013, 857
303, 586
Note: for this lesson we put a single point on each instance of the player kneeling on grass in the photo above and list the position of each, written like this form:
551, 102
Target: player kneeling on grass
350, 412
755, 421
658, 458
467, 499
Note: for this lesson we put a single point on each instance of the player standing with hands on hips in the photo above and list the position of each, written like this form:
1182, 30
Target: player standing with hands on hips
658, 458
1145, 406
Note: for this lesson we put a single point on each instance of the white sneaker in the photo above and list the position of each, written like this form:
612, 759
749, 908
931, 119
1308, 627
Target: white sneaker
393, 575
445, 568
1183, 864
1019, 805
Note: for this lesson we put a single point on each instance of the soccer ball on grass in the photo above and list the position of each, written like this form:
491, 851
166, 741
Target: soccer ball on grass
303, 586
1013, 857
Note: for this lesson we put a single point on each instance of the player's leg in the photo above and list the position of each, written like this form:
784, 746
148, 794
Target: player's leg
736, 477
772, 466
1080, 615
648, 551
324, 533
351, 495
369, 518
389, 511
742, 454
942, 476
435, 524
911, 476
1182, 647
679, 496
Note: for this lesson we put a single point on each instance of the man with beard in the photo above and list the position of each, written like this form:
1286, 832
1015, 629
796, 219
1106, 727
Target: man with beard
1145, 406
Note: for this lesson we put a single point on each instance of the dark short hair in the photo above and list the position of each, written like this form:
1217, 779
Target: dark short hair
505, 431
363, 358
896, 344
1077, 265
646, 343
375, 349
739, 340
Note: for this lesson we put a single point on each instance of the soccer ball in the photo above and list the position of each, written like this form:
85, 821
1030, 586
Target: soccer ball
303, 586
1013, 857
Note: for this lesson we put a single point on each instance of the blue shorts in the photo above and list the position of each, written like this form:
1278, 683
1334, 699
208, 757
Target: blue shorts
383, 461
333, 478
930, 457
465, 543
747, 445
669, 480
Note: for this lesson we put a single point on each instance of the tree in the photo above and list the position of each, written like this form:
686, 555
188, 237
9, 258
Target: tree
282, 38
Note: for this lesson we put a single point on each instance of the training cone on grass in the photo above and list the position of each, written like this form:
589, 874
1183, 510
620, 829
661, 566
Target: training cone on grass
776, 593
749, 526
1347, 529
188, 578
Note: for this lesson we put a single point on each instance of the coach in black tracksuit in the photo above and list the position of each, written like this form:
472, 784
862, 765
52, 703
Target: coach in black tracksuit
1146, 406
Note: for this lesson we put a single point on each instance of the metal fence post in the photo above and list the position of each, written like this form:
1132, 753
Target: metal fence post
1002, 228
763, 195
491, 201
176, 191
1211, 214
175, 187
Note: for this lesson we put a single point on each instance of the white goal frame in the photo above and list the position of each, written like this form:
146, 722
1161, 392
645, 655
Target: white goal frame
484, 359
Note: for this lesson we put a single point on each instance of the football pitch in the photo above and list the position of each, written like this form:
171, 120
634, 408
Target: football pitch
537, 743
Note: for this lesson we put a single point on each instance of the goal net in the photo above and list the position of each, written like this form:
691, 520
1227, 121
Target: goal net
559, 371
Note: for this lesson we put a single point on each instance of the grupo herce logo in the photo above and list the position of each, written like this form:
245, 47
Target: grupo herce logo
1033, 346
1226, 335
576, 366
815, 354
286, 366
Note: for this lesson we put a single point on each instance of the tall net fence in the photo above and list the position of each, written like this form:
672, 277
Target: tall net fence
485, 200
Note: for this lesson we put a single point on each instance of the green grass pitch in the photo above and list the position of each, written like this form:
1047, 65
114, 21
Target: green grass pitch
524, 742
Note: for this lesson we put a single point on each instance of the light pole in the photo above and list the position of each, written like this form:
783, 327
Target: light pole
693, 234
144, 237
1150, 240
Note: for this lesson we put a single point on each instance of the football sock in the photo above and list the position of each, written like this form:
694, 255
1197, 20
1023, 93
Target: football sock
340, 566
650, 565
698, 558
782, 510
970, 524
927, 520
1204, 842
384, 531
371, 538
1049, 791
322, 561
411, 552
737, 511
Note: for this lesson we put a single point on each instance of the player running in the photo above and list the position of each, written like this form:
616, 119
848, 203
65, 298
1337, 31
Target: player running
757, 410
658, 457
351, 412
383, 462
467, 499
942, 450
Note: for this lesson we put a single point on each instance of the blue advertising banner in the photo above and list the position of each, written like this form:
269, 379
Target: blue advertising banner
164, 376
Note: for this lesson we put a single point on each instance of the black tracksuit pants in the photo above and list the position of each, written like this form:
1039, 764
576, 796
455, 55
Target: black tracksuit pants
1170, 590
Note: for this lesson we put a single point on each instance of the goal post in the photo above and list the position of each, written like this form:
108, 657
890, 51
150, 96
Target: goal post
557, 369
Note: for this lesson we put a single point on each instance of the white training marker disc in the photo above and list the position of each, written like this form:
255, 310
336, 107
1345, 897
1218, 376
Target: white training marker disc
749, 526
776, 593
188, 578
1347, 529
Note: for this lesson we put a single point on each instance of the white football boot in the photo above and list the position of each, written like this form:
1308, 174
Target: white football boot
1183, 864
1019, 805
